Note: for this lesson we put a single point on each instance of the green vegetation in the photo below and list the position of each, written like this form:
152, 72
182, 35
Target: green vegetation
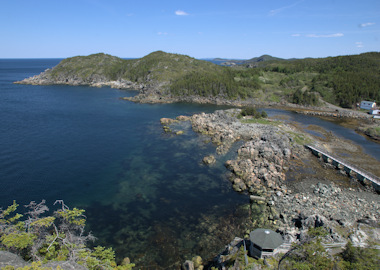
222, 81
88, 67
59, 237
251, 111
373, 132
299, 138
359, 258
312, 255
305, 98
308, 255
255, 117
262, 121
163, 67
342, 80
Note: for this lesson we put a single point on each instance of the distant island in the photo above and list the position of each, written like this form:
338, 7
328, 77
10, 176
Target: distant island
165, 77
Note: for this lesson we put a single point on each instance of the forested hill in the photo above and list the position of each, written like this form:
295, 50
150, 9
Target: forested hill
343, 80
159, 73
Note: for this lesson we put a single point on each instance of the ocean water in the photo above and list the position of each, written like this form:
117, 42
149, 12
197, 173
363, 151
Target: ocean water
146, 193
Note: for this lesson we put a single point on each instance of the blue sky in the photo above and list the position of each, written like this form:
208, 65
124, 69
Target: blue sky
239, 29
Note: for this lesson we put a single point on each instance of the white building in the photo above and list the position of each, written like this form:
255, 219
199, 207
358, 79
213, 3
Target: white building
367, 105
375, 111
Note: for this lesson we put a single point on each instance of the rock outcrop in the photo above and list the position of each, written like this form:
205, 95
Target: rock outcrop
11, 259
46, 78
261, 161
341, 113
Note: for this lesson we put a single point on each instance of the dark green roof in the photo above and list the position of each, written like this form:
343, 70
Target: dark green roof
266, 239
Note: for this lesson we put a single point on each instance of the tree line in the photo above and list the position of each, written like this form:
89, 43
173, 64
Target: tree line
226, 83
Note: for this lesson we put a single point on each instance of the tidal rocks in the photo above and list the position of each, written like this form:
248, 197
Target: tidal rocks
167, 121
96, 80
183, 118
208, 160
341, 113
260, 162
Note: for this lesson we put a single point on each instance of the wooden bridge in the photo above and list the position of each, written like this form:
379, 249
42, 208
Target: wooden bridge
348, 167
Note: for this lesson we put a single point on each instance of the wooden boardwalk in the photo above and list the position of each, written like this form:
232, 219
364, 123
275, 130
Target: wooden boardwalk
347, 166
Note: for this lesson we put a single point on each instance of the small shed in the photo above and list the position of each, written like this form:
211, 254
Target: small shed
367, 105
264, 243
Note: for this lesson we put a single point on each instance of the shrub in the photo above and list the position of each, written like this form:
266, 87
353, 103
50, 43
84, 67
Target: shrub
59, 237
251, 111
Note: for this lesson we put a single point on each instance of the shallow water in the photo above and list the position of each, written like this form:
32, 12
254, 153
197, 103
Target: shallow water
308, 123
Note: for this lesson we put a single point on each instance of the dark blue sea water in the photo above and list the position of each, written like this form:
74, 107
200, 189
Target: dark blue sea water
146, 193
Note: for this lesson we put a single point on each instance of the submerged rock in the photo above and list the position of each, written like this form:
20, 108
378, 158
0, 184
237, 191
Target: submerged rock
208, 160
167, 121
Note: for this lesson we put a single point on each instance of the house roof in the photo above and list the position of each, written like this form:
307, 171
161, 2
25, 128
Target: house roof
266, 239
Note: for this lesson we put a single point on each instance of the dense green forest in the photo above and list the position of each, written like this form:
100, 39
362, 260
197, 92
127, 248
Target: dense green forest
226, 82
342, 80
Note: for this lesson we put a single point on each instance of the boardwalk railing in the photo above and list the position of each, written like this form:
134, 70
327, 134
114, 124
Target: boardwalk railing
367, 175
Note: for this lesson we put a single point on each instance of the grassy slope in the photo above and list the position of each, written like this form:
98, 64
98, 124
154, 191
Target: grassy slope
157, 66
86, 66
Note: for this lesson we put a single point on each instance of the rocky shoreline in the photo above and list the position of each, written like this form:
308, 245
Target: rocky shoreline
45, 78
339, 114
347, 209
150, 92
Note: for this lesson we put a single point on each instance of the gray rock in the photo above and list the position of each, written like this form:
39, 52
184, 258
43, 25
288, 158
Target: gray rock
10, 259
67, 265
7, 258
